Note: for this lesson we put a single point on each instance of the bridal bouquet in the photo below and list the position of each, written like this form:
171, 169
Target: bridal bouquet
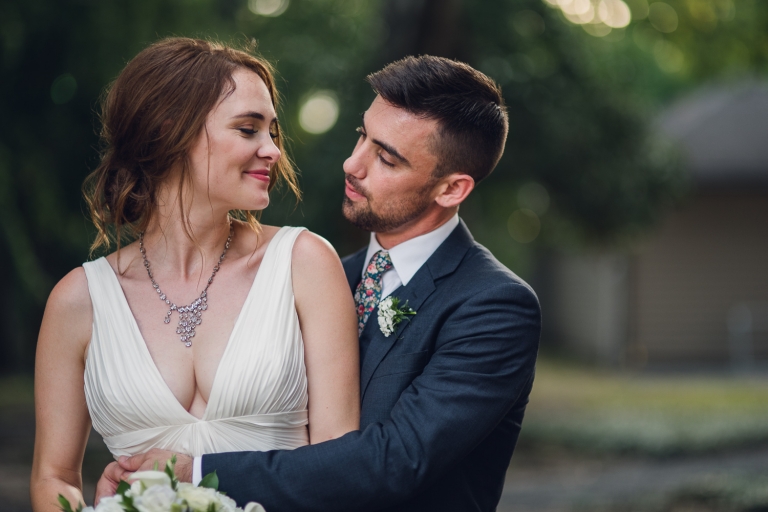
160, 491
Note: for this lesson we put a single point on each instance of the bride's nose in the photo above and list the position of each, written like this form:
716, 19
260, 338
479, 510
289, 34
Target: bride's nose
269, 151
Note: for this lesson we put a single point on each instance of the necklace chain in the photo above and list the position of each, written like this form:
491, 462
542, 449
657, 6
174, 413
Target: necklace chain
190, 316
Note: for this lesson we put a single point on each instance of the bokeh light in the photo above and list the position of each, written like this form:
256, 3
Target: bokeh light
268, 7
639, 9
524, 225
669, 57
63, 88
533, 196
597, 29
319, 112
614, 13
528, 23
597, 17
663, 17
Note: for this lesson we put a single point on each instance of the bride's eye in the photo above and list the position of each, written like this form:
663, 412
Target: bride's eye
247, 131
273, 131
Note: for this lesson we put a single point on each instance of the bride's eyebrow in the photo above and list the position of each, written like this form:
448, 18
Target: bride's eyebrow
254, 115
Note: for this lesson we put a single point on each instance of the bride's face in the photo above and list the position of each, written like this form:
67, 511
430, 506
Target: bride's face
235, 154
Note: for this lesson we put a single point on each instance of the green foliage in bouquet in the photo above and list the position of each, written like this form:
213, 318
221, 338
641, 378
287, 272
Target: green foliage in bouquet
161, 491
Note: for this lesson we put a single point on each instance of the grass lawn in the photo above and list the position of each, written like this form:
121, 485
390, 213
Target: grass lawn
659, 415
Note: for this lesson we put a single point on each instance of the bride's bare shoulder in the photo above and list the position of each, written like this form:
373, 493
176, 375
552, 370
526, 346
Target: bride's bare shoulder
71, 293
311, 251
69, 311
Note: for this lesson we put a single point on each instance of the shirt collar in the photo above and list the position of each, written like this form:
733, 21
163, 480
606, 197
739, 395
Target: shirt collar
408, 257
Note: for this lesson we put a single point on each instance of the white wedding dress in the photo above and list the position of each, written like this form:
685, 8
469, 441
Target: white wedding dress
259, 396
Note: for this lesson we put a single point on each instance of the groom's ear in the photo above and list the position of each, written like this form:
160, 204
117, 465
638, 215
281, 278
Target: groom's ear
453, 189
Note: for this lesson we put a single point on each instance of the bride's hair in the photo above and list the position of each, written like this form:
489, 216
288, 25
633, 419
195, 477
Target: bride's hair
151, 116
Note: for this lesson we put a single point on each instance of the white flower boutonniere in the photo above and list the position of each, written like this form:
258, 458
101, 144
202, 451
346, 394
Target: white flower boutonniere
391, 314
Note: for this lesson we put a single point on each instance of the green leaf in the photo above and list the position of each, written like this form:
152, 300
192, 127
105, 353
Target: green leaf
122, 487
170, 470
211, 481
211, 508
128, 505
64, 503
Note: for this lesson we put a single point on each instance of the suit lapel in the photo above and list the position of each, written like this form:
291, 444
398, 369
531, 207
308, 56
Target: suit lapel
445, 260
418, 290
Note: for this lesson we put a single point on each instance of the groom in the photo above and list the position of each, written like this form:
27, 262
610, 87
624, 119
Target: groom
443, 395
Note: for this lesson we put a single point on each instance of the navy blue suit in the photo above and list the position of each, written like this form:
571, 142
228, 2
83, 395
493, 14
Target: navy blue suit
442, 400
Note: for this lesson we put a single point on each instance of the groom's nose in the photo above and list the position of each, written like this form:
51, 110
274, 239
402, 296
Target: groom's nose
354, 164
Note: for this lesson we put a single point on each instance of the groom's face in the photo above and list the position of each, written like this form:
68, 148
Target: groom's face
389, 177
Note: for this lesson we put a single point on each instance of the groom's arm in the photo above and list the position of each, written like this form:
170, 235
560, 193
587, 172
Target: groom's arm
483, 362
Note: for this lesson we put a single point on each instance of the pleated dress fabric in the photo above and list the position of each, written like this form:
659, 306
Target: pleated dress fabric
259, 396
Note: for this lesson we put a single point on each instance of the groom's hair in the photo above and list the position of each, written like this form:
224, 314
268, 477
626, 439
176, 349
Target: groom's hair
468, 106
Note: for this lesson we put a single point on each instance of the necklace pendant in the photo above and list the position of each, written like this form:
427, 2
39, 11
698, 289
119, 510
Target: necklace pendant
189, 316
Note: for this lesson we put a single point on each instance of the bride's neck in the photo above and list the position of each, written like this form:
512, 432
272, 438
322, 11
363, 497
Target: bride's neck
183, 244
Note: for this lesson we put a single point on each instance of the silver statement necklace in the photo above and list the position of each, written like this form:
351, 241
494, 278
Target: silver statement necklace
190, 316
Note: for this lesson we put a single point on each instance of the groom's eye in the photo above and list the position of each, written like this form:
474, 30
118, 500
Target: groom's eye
385, 161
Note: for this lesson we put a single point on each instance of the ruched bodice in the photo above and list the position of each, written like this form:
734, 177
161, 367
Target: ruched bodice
259, 396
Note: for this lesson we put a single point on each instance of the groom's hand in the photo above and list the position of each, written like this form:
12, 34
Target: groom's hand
109, 481
146, 461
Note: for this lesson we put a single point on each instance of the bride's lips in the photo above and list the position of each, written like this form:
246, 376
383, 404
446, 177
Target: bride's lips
353, 194
259, 174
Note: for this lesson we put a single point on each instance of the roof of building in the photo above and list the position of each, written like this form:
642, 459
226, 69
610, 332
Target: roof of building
723, 131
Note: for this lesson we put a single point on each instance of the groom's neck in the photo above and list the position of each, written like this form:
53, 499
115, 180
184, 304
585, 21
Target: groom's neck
426, 223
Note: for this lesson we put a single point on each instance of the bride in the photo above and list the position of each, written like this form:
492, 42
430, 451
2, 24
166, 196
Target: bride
209, 332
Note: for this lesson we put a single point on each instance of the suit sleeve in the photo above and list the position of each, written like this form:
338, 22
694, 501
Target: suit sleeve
482, 365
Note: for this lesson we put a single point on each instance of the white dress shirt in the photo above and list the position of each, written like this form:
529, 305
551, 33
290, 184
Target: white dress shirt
407, 258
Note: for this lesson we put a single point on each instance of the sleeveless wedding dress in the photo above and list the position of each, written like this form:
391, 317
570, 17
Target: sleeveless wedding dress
259, 396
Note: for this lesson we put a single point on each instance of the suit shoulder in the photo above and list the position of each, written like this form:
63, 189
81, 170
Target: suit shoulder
355, 255
487, 272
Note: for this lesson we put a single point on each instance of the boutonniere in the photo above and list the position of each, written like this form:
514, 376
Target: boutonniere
391, 314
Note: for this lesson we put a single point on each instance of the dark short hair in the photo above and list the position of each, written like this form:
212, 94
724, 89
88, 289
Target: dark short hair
468, 106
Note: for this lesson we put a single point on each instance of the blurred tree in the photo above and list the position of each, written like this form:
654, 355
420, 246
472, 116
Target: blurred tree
580, 163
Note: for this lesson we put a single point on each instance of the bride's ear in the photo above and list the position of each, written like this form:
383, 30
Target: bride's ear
453, 189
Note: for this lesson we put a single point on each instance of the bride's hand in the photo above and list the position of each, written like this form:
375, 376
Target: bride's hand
147, 461
109, 481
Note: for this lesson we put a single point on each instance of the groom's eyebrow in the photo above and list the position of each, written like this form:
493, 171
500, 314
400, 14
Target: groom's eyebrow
388, 148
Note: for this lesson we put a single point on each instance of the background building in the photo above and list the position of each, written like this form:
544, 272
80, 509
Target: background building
695, 289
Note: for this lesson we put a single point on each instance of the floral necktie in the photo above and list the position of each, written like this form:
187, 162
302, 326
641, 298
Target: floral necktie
368, 293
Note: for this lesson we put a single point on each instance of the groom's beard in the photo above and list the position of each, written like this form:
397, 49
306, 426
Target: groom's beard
391, 214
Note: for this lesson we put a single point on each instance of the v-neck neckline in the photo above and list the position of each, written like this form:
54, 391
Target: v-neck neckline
148, 355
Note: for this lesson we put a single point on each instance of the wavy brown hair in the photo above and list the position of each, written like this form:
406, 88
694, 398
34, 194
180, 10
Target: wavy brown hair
151, 116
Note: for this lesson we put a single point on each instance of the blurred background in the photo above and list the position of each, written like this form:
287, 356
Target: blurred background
633, 196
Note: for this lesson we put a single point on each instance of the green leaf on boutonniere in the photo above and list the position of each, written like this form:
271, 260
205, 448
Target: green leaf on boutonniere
211, 481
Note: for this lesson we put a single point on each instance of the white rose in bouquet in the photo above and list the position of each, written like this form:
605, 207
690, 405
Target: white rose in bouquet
160, 491
158, 498
110, 504
150, 478
198, 498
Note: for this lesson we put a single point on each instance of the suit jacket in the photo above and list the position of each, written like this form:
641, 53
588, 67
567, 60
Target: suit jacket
443, 399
